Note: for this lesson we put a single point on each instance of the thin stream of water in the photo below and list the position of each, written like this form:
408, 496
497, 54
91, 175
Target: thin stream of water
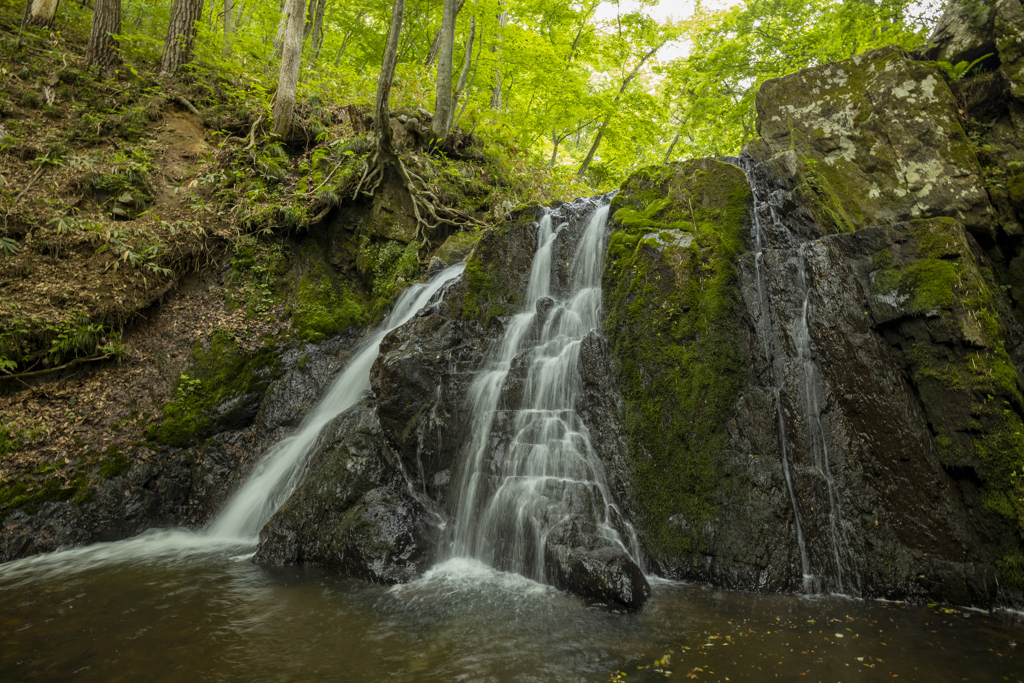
764, 326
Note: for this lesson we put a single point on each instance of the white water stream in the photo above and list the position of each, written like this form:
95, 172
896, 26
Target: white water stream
281, 469
270, 484
512, 500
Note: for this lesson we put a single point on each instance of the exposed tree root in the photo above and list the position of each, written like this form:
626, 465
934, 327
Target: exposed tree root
430, 213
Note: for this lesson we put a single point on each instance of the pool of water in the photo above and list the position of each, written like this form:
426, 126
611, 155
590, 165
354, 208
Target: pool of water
175, 611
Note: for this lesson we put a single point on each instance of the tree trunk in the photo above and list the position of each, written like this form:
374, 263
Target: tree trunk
472, 77
625, 84
318, 28
668, 154
282, 26
443, 92
181, 35
496, 92
593, 147
435, 45
291, 59
344, 43
381, 108
467, 62
41, 13
555, 139
229, 23
106, 23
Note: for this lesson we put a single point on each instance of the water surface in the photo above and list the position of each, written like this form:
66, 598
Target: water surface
208, 613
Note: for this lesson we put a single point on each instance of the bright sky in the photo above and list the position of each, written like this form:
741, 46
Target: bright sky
665, 9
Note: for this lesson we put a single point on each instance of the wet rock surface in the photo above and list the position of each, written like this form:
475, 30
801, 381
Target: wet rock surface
353, 512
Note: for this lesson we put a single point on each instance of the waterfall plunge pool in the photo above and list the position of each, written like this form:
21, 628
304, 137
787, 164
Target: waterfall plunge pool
210, 614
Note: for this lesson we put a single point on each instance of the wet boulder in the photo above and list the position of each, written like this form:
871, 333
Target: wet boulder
579, 561
353, 512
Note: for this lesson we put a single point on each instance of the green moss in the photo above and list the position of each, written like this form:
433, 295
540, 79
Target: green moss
325, 304
29, 493
675, 334
826, 192
256, 269
218, 373
390, 266
1011, 570
482, 292
113, 463
458, 246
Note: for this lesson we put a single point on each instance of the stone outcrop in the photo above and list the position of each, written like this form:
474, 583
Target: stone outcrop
353, 512
877, 139
841, 411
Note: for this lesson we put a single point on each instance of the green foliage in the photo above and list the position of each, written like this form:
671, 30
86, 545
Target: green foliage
256, 267
960, 69
29, 342
390, 267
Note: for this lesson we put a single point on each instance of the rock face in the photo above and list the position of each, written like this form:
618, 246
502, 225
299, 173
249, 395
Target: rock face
878, 139
991, 31
827, 395
353, 513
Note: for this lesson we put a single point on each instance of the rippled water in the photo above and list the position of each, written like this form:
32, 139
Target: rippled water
210, 614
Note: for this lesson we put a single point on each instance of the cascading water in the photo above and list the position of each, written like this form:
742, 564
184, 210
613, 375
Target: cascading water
765, 333
511, 502
274, 478
819, 446
280, 471
804, 363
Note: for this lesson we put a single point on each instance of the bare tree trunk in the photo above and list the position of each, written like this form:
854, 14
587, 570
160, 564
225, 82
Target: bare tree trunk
432, 55
443, 92
288, 80
467, 62
282, 26
496, 92
348, 36
625, 84
381, 108
41, 13
229, 24
593, 147
106, 23
318, 28
668, 154
472, 80
181, 35
555, 139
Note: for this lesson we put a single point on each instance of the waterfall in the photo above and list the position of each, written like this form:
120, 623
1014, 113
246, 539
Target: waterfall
280, 470
764, 328
268, 487
807, 370
511, 499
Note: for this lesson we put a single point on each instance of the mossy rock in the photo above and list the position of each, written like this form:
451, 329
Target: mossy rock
325, 304
898, 155
968, 385
458, 246
499, 267
220, 390
670, 290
